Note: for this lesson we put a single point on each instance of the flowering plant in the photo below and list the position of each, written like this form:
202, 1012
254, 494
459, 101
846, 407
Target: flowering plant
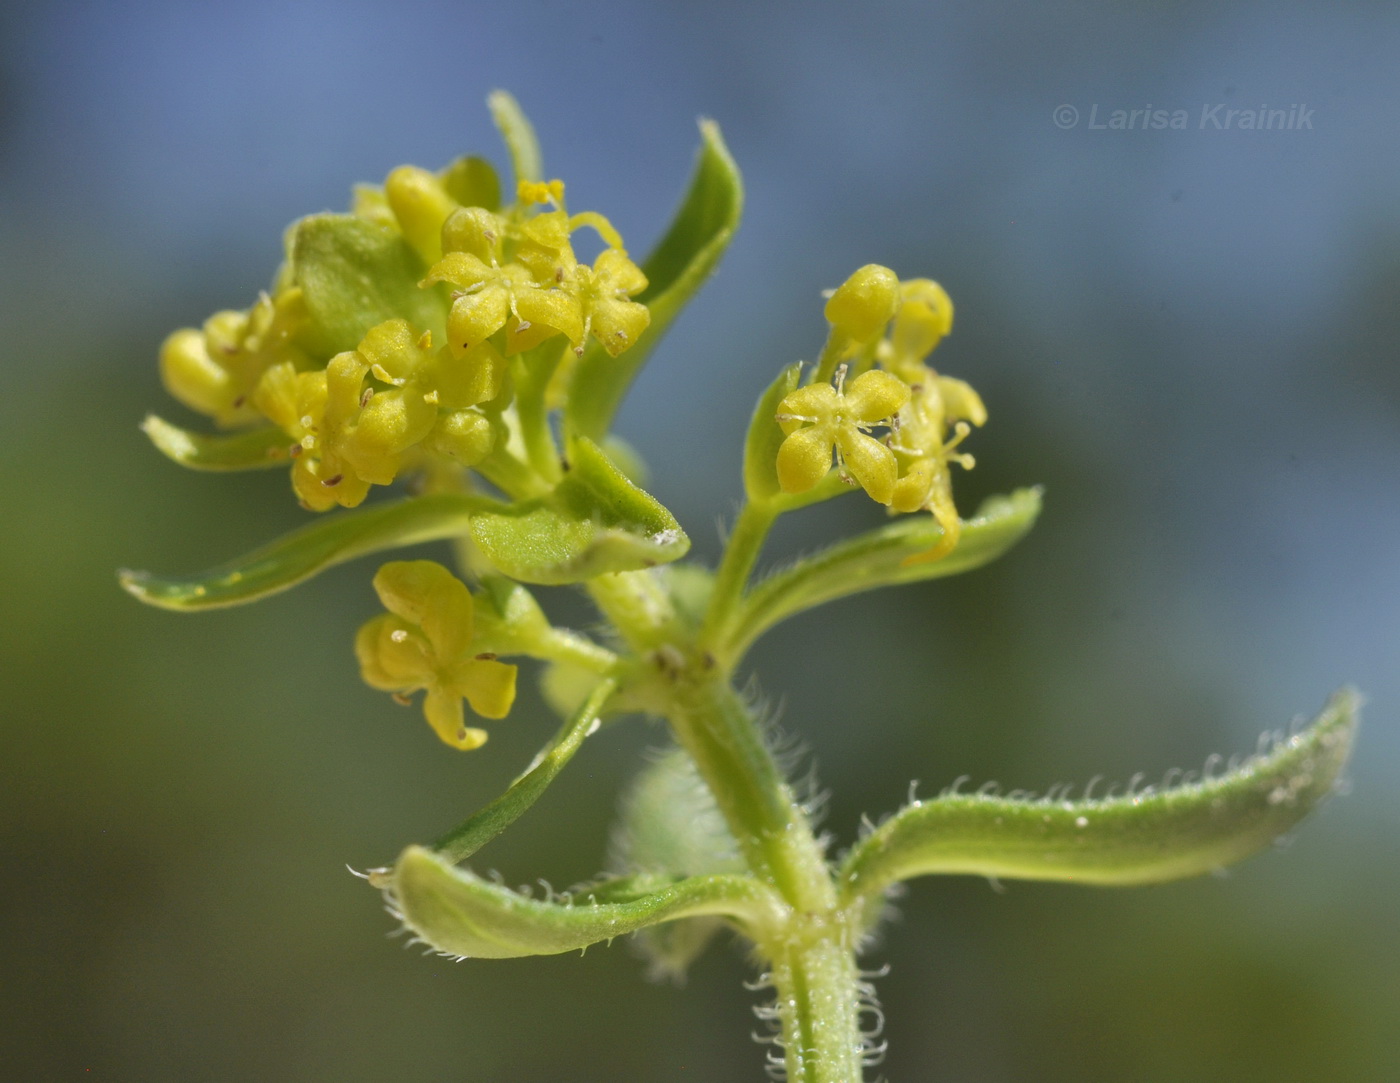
445, 336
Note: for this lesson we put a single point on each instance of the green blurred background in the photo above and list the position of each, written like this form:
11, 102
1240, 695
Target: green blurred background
1188, 336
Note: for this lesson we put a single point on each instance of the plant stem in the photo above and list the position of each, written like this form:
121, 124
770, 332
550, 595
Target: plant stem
713, 724
810, 953
740, 555
817, 986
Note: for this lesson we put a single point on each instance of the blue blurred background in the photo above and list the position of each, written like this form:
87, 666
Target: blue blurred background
1189, 336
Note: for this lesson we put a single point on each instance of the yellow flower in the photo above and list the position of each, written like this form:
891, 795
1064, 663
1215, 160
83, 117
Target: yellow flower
923, 318
425, 642
862, 305
215, 369
929, 430
604, 292
820, 417
488, 294
307, 406
349, 433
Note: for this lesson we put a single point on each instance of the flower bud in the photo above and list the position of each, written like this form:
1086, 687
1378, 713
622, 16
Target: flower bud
864, 303
421, 205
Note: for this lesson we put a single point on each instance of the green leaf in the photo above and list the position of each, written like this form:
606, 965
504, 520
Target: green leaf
675, 270
355, 274
595, 521
876, 559
253, 449
1145, 837
460, 914
470, 836
519, 136
298, 556
670, 826
766, 436
472, 182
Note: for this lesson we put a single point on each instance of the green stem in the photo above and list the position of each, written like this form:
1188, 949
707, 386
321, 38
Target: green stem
715, 726
740, 555
532, 374
574, 649
817, 989
637, 605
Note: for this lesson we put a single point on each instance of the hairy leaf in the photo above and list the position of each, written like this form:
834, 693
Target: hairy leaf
876, 559
253, 449
460, 914
675, 270
303, 553
1139, 838
671, 826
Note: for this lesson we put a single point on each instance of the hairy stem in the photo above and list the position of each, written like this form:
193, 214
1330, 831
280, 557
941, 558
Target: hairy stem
814, 976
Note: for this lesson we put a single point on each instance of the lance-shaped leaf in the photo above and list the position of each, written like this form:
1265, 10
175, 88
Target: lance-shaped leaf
474, 833
766, 436
595, 521
303, 553
877, 559
519, 136
460, 914
675, 270
1145, 837
253, 449
355, 274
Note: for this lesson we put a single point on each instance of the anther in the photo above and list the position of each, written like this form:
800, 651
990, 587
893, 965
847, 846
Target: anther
333, 481
486, 656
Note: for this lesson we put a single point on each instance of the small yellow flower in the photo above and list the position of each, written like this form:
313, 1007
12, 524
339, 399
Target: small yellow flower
488, 294
923, 318
425, 642
215, 369
929, 430
307, 406
819, 418
604, 292
862, 305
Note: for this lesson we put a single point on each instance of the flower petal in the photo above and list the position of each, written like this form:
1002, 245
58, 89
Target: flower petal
870, 463
804, 458
874, 396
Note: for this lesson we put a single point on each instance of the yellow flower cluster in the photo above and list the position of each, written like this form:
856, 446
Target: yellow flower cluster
523, 276
355, 421
363, 416
878, 320
424, 642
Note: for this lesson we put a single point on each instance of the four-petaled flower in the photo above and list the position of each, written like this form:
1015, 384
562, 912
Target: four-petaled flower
929, 429
425, 642
820, 417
